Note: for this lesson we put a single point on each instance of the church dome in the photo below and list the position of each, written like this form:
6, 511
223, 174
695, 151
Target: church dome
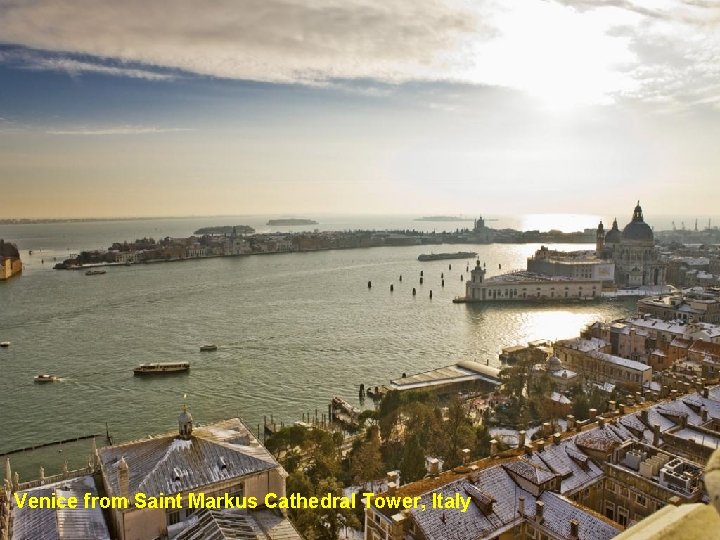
637, 229
8, 250
613, 235
554, 364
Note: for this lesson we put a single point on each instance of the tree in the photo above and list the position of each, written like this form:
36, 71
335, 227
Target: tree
412, 466
366, 463
329, 521
482, 441
581, 407
459, 433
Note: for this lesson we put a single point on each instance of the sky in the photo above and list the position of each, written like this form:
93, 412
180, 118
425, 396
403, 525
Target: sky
303, 107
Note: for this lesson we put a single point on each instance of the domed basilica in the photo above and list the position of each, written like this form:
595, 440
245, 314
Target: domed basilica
633, 252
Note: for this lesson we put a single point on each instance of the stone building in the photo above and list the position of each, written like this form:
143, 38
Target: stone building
637, 261
572, 264
697, 304
216, 459
591, 361
210, 462
10, 263
640, 479
528, 287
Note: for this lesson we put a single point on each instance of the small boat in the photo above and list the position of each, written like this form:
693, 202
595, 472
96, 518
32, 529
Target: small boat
4, 343
208, 348
95, 272
162, 368
45, 378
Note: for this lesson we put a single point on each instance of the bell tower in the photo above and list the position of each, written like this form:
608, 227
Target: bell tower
600, 239
185, 424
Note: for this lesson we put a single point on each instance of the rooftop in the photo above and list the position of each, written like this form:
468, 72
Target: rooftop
238, 525
456, 373
168, 464
59, 524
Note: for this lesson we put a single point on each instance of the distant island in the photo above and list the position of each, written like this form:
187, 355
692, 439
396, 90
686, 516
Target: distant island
226, 229
292, 221
442, 218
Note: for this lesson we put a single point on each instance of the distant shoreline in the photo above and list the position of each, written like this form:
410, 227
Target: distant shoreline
40, 221
442, 218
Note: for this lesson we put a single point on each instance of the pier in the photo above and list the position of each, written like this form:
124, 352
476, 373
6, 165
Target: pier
45, 445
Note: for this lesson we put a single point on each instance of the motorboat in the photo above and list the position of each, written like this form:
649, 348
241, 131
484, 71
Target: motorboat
45, 378
208, 348
162, 368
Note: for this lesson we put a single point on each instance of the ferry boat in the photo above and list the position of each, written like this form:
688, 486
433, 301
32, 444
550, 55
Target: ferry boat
443, 256
4, 343
45, 378
95, 272
208, 348
162, 368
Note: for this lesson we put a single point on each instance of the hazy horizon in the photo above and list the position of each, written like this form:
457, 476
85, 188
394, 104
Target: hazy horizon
111, 109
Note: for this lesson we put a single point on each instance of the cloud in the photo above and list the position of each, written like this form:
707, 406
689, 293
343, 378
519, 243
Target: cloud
560, 51
676, 48
263, 40
38, 60
114, 130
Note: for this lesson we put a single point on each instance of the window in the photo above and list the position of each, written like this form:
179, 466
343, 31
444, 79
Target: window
624, 492
610, 510
173, 517
610, 485
640, 499
530, 532
622, 516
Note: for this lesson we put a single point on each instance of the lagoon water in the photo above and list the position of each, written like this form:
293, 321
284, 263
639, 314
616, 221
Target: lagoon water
292, 329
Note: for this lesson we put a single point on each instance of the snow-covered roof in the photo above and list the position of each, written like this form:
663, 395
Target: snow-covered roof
63, 523
169, 465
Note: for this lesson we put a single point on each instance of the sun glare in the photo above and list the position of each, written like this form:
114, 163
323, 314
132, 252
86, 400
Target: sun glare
561, 57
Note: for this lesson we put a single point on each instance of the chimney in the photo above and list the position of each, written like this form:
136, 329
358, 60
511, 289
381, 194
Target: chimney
704, 414
391, 488
556, 439
644, 418
539, 511
547, 429
465, 455
123, 478
601, 421
621, 408
493, 447
521, 439
392, 476
521, 506
656, 434
706, 392
570, 422
529, 449
593, 415
574, 528
540, 445
612, 406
